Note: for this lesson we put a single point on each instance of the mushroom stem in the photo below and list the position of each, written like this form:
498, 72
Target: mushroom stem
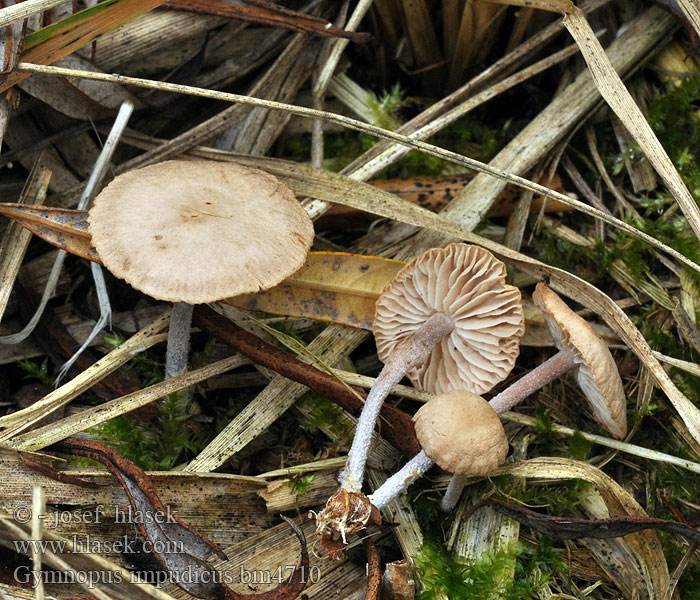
399, 482
453, 492
178, 346
562, 362
554, 367
410, 353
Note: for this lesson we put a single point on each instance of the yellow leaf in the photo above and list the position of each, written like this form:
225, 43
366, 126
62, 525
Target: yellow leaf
332, 286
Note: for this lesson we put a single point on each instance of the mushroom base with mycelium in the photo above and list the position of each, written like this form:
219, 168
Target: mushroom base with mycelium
447, 320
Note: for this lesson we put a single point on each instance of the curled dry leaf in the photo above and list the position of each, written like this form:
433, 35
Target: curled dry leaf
64, 228
178, 547
648, 568
572, 528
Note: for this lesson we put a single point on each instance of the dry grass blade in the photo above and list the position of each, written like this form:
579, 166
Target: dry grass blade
11, 14
619, 99
338, 46
496, 172
91, 417
16, 239
18, 421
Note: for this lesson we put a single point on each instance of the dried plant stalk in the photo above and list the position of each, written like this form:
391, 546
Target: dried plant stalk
50, 434
16, 239
20, 420
620, 100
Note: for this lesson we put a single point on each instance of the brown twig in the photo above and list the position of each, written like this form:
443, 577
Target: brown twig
398, 429
373, 571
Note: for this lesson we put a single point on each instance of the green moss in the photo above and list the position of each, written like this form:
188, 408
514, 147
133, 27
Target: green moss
445, 575
40, 372
325, 416
301, 483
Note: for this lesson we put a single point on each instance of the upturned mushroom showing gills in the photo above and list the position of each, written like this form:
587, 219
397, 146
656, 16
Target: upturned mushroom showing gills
198, 231
582, 351
448, 321
460, 433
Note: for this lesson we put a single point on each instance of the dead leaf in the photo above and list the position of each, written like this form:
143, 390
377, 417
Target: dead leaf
64, 228
331, 286
179, 548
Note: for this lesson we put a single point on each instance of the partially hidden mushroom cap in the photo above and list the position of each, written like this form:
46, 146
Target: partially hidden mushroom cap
196, 231
596, 373
467, 284
461, 433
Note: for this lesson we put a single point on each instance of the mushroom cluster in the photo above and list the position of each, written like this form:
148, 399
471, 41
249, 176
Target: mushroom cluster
450, 322
191, 232
442, 423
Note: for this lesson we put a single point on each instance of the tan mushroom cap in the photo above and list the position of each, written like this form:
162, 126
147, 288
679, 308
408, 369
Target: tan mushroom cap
461, 433
467, 284
597, 373
196, 231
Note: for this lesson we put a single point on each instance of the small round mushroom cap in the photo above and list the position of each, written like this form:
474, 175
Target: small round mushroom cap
466, 283
199, 231
596, 373
461, 433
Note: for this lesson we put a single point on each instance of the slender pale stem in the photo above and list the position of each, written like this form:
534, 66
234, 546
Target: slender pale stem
562, 362
399, 482
453, 492
411, 352
178, 347
549, 370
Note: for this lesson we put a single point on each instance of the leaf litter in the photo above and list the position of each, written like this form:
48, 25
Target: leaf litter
340, 288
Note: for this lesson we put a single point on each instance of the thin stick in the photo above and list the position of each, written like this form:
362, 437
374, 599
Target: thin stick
38, 510
372, 130
15, 13
338, 47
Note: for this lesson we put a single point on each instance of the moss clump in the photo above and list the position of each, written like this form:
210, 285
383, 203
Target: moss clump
444, 575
